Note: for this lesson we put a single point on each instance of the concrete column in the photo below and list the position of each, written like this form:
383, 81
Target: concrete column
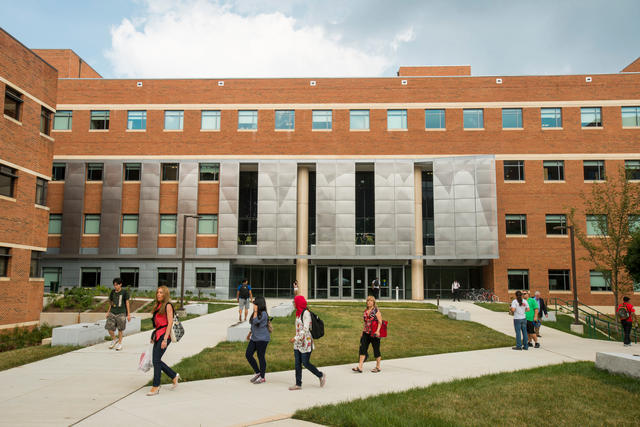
302, 228
417, 269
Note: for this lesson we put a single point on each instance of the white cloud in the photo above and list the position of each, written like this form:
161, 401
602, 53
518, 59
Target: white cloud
198, 38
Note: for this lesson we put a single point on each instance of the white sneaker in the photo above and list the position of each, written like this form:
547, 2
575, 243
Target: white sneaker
113, 344
119, 347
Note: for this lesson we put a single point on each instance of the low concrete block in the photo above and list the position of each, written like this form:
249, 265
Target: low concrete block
577, 329
81, 334
238, 332
133, 326
198, 309
619, 363
59, 319
46, 341
445, 309
551, 317
282, 310
459, 315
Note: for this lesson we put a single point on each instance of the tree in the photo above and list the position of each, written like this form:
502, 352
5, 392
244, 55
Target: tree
632, 260
609, 207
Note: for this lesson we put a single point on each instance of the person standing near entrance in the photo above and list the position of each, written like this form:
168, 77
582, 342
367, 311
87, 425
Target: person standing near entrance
375, 287
118, 314
244, 297
627, 314
372, 319
303, 344
455, 290
295, 288
519, 309
532, 319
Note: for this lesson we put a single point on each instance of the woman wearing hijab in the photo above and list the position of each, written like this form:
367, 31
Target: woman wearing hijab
303, 344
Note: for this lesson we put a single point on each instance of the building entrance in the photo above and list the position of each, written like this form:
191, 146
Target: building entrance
341, 282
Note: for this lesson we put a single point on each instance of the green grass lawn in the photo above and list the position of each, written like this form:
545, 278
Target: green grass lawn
383, 304
573, 394
411, 333
22, 356
494, 306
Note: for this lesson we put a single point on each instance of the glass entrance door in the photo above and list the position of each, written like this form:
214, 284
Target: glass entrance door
334, 282
385, 283
340, 282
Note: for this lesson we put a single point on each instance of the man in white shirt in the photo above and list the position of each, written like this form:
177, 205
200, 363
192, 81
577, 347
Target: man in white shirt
455, 290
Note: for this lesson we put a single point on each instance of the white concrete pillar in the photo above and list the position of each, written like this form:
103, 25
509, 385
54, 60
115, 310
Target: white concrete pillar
302, 228
417, 269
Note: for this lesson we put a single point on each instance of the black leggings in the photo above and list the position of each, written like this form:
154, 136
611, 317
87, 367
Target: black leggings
261, 348
367, 339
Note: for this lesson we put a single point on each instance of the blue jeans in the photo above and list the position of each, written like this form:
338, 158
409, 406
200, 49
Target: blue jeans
158, 365
520, 326
303, 359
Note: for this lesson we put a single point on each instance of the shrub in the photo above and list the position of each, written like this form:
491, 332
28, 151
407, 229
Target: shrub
23, 337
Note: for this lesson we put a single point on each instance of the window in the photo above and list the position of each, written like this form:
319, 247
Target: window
559, 280
285, 119
634, 223
62, 120
5, 256
514, 170
396, 119
248, 120
596, 225
129, 276
34, 267
591, 117
359, 120
129, 224
52, 277
137, 120
167, 224
512, 118
210, 120
167, 277
91, 224
593, 170
434, 119
41, 192
45, 121
516, 224
518, 279
94, 172
473, 118
209, 171
8, 179
132, 171
208, 224
365, 208
169, 171
99, 120
599, 280
551, 117
205, 277
321, 119
58, 172
248, 208
630, 117
632, 169
173, 120
90, 277
12, 103
556, 224
55, 224
553, 170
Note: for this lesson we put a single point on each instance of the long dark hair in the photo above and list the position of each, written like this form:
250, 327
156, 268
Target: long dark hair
262, 305
519, 297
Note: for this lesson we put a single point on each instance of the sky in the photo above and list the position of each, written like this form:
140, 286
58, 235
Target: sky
331, 38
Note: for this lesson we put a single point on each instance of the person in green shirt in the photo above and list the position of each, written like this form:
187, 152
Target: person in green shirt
118, 314
532, 318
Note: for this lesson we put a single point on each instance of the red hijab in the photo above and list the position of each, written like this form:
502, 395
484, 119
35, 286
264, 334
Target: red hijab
300, 304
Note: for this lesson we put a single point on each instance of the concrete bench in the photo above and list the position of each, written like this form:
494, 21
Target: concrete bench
459, 315
551, 318
133, 327
80, 334
199, 309
238, 332
281, 310
619, 363
445, 309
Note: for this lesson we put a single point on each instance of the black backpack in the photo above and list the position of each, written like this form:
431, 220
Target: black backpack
623, 313
244, 291
317, 325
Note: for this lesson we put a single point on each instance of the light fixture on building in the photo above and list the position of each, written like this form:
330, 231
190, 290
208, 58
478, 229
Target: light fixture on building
404, 83
499, 81
139, 84
220, 83
312, 83
587, 79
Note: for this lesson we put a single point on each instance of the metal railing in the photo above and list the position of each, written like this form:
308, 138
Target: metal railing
612, 330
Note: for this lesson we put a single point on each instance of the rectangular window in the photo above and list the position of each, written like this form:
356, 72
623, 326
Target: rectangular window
634, 223
599, 280
205, 277
559, 280
553, 170
34, 268
168, 277
473, 118
551, 117
52, 277
591, 117
62, 120
518, 279
512, 118
434, 119
129, 224
8, 179
516, 224
630, 117
396, 119
90, 277
92, 224
321, 119
248, 120
58, 172
359, 120
556, 224
94, 171
596, 225
41, 192
208, 224
129, 276
168, 224
285, 119
132, 171
170, 171
209, 171
514, 170
137, 120
632, 169
173, 119
55, 224
5, 256
248, 208
99, 120
365, 208
593, 170
12, 103
45, 121
210, 120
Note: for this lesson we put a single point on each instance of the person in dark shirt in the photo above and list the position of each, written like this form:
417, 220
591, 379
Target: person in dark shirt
118, 313
244, 298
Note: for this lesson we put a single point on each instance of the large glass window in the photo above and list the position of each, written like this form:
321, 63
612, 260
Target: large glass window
62, 120
434, 119
210, 120
90, 277
551, 117
359, 119
248, 208
205, 277
512, 118
209, 171
473, 118
132, 171
593, 170
12, 103
634, 223
559, 280
168, 224
5, 256
514, 170
248, 120
630, 117
92, 224
170, 171
518, 279
168, 277
553, 170
55, 224
516, 224
632, 169
94, 171
596, 225
556, 224
52, 277
396, 119
321, 119
173, 119
591, 117
428, 229
41, 192
129, 224
45, 121
365, 208
129, 276
99, 120
58, 172
600, 280
137, 120
34, 268
8, 178
208, 224
285, 119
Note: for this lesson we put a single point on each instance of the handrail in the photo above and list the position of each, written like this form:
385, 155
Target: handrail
569, 306
614, 329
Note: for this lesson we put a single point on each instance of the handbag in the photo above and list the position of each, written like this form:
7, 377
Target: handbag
146, 359
383, 328
269, 326
178, 330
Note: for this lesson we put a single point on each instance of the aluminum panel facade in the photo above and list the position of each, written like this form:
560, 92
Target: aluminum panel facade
187, 205
111, 207
228, 208
73, 206
149, 215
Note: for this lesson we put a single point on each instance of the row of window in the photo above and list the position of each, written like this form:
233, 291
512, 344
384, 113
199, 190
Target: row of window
5, 259
556, 224
133, 171
9, 179
559, 280
13, 101
554, 170
473, 118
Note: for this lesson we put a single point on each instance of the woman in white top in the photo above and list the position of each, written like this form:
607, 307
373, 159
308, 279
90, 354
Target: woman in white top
518, 309
303, 344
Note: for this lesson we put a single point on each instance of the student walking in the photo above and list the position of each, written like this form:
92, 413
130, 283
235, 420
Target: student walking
258, 338
532, 319
370, 334
627, 314
244, 297
161, 338
519, 309
118, 314
455, 290
303, 344
542, 309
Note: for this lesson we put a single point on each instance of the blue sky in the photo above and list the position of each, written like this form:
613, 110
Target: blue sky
305, 38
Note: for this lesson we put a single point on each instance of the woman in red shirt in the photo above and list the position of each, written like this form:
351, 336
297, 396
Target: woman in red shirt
370, 334
161, 337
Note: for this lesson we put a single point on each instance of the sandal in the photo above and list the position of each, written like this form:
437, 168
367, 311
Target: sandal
356, 370
375, 370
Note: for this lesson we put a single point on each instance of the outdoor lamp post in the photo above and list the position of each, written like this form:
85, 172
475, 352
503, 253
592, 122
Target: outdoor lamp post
574, 285
184, 244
